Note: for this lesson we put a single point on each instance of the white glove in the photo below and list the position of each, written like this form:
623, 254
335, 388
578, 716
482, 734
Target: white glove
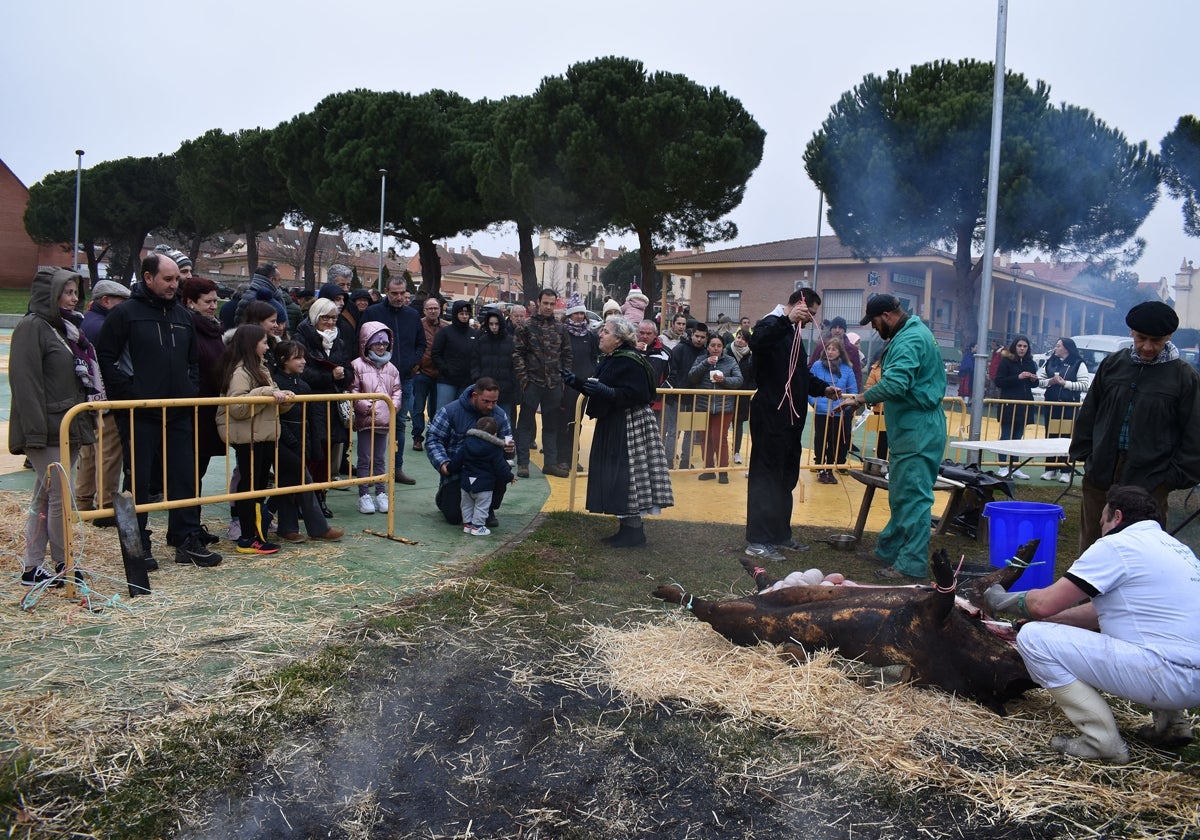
1000, 600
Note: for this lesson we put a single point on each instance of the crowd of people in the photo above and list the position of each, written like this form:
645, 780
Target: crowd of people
472, 392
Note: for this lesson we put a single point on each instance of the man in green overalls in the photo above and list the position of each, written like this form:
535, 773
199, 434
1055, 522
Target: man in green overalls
911, 388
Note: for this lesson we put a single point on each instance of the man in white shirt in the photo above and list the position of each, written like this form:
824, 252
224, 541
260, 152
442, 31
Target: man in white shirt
1142, 585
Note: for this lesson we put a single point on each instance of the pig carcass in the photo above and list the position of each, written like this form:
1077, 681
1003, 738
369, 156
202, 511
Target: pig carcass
920, 627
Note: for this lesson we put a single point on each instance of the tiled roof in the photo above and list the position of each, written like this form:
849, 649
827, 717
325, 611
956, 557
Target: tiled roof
784, 250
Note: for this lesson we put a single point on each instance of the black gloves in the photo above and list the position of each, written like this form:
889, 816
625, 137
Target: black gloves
568, 377
596, 388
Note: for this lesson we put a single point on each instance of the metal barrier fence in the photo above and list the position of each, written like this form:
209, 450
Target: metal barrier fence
198, 497
858, 436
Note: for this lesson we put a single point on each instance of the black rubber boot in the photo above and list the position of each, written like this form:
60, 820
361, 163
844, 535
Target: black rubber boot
631, 534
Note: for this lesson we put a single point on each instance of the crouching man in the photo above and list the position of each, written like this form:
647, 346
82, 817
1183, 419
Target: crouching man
1143, 585
446, 434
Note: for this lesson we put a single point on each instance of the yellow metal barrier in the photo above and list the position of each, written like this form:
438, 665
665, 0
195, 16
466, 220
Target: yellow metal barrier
198, 498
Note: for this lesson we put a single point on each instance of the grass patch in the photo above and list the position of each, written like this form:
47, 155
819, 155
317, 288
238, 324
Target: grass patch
14, 301
469, 699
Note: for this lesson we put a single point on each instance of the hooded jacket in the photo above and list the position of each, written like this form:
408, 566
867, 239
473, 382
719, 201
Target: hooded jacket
148, 350
408, 336
481, 462
448, 429
492, 355
41, 372
453, 347
369, 379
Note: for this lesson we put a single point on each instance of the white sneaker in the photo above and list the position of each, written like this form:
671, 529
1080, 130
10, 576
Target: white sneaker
737, 457
1050, 475
1064, 477
366, 504
1020, 475
1004, 472
235, 530
481, 531
381, 503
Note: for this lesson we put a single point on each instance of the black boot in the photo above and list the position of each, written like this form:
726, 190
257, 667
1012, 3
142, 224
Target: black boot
324, 507
611, 538
631, 533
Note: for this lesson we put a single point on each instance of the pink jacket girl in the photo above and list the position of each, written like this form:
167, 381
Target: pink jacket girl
374, 373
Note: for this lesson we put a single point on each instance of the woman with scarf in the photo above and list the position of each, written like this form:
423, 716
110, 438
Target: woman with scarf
628, 468
327, 370
1015, 377
714, 371
1066, 380
740, 350
52, 367
585, 349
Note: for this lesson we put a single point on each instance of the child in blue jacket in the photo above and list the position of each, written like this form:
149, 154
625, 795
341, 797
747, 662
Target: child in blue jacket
482, 464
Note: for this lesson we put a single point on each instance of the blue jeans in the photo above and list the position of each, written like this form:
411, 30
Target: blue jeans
425, 403
447, 393
406, 405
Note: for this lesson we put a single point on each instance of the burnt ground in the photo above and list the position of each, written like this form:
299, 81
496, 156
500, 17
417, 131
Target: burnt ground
471, 738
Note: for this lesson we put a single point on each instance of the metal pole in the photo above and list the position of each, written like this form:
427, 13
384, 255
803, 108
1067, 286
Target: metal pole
382, 199
817, 250
989, 239
78, 179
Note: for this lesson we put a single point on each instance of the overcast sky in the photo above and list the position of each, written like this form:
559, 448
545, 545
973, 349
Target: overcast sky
125, 77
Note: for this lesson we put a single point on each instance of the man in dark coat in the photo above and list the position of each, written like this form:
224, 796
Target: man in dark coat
408, 345
148, 350
1140, 421
777, 413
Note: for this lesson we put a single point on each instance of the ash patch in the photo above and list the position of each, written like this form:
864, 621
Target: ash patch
481, 742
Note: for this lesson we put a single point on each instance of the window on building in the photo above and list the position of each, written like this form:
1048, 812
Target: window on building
846, 303
728, 304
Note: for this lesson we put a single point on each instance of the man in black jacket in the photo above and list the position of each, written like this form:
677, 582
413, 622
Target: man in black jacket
777, 413
683, 356
147, 350
408, 345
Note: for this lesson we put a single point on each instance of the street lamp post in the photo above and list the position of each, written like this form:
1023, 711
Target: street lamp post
78, 179
382, 198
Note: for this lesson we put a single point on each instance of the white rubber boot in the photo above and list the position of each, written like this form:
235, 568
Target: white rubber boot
1090, 714
1169, 729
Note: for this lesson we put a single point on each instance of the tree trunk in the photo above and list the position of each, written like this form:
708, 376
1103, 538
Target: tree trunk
310, 257
251, 236
194, 247
431, 266
966, 322
529, 277
649, 282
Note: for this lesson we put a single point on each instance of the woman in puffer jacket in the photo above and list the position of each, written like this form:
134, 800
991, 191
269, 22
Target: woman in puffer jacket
374, 373
251, 428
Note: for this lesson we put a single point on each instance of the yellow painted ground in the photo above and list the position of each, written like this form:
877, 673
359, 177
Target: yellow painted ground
819, 505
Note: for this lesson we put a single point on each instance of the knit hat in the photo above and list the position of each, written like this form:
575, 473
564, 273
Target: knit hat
181, 259
109, 287
575, 305
635, 293
357, 294
333, 290
321, 306
610, 305
1153, 318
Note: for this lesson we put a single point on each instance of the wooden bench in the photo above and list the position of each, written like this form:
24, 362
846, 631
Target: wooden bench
874, 482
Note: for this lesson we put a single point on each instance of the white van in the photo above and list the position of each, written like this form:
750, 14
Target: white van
1093, 349
1096, 348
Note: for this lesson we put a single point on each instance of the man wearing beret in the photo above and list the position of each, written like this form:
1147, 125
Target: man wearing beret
1140, 421
911, 387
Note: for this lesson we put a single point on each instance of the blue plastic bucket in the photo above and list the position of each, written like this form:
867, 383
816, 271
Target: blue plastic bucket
1011, 524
